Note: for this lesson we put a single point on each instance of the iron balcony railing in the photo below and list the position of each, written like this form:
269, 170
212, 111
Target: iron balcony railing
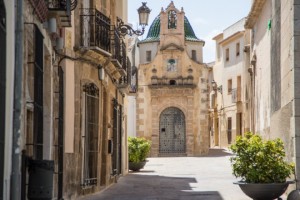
95, 29
119, 49
62, 8
65, 5
126, 80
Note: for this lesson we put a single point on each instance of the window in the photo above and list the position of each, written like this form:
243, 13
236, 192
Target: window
227, 54
194, 55
229, 85
239, 88
38, 125
229, 130
90, 133
172, 82
117, 138
148, 56
237, 49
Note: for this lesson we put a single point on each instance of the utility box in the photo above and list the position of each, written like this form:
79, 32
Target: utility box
40, 186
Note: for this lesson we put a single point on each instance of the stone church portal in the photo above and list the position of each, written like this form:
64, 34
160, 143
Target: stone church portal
172, 131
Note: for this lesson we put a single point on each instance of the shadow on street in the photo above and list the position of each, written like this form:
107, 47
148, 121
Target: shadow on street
154, 187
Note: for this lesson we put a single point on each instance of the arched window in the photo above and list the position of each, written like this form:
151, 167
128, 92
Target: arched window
172, 19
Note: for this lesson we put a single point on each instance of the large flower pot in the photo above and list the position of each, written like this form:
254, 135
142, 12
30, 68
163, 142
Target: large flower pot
263, 191
136, 166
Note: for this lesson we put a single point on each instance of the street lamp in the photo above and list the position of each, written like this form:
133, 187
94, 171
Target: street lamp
216, 87
125, 29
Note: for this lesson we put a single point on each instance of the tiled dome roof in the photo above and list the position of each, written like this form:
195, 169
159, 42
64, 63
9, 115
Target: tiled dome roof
154, 31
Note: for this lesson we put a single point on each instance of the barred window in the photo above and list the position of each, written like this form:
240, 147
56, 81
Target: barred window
90, 134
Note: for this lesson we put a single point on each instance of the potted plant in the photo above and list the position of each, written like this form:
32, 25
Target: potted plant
262, 167
138, 150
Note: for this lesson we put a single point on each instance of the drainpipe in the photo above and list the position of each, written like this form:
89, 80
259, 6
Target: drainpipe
17, 113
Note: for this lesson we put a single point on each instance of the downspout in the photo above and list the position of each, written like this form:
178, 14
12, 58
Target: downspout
17, 113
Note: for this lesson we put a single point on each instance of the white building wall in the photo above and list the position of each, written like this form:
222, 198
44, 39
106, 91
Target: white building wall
238, 26
262, 38
231, 69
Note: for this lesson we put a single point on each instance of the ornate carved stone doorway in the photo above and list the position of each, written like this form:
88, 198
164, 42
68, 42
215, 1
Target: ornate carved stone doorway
172, 136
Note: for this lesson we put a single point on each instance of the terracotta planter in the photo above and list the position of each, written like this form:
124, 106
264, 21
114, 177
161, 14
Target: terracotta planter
263, 191
136, 166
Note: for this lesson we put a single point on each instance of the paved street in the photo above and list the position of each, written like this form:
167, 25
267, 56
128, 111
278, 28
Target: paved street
181, 178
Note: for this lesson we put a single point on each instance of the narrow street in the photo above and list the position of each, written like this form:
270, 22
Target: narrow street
181, 178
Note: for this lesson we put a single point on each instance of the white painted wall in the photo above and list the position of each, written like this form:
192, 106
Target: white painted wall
225, 70
262, 39
238, 26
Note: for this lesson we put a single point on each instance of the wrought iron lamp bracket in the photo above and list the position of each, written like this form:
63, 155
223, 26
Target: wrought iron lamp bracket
125, 29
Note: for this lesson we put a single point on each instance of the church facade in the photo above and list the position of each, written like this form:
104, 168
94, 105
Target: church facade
173, 98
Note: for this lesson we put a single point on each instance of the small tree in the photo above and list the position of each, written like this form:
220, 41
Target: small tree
138, 149
259, 161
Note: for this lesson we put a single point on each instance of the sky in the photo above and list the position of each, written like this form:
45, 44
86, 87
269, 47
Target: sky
207, 17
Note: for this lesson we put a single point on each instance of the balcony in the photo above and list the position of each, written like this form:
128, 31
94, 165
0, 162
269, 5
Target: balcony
128, 83
119, 57
61, 10
95, 31
101, 42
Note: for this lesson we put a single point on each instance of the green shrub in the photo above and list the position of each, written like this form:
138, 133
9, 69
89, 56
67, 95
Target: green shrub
138, 149
258, 161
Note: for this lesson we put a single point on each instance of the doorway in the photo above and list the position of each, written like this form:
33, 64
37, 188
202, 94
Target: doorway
172, 139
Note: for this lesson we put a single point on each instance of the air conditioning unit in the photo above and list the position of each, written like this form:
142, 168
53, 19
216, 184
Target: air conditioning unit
234, 95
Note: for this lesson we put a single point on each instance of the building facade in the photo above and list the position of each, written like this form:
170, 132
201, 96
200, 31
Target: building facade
73, 80
230, 92
172, 101
275, 72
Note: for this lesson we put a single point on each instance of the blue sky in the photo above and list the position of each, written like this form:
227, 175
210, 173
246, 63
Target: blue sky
207, 17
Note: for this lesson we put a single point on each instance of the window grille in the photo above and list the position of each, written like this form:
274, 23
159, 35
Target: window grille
117, 138
38, 95
90, 137
60, 145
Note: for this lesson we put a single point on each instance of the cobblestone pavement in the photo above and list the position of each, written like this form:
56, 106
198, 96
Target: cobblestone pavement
179, 178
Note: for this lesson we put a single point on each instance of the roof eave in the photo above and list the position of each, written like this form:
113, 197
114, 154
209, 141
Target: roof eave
254, 13
232, 37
